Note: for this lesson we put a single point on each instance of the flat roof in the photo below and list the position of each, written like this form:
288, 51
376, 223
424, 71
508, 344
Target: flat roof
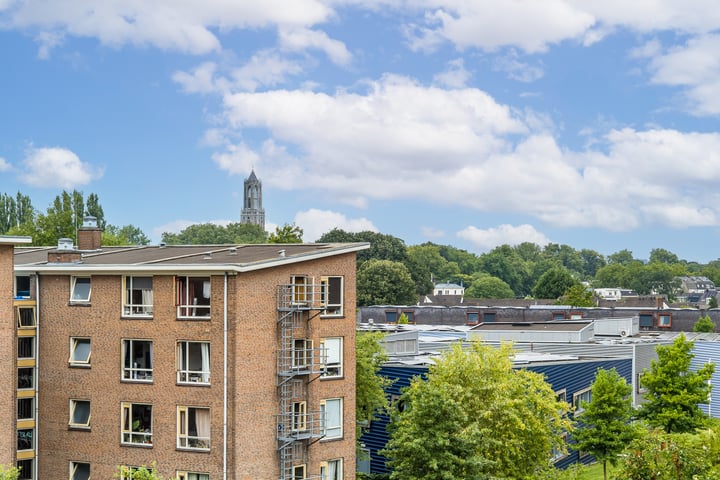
233, 257
14, 240
562, 326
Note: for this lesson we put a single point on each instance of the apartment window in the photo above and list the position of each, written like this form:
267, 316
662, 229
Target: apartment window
331, 470
473, 318
302, 353
331, 295
136, 424
331, 413
138, 299
583, 396
193, 360
489, 317
22, 286
576, 315
299, 472
332, 353
298, 421
79, 414
79, 352
193, 430
665, 320
26, 469
638, 384
560, 451
79, 471
646, 320
26, 347
26, 378
193, 297
192, 476
137, 360
80, 289
410, 316
301, 291
391, 317
25, 439
26, 408
25, 317
556, 316
128, 472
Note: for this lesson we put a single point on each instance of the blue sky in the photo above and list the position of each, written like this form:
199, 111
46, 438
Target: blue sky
471, 123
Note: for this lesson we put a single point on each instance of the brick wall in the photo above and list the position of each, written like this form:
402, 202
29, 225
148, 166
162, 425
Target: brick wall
7, 357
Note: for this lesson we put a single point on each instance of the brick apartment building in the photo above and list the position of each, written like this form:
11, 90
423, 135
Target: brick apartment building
214, 362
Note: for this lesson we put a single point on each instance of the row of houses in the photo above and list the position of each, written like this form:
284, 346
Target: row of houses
213, 362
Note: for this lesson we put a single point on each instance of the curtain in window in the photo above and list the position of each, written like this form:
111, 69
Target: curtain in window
332, 351
332, 471
202, 422
205, 350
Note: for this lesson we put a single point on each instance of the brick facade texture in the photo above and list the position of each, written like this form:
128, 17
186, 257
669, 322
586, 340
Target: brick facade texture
8, 371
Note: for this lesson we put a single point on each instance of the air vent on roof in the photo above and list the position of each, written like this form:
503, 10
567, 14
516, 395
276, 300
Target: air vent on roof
89, 221
65, 244
207, 256
281, 253
232, 251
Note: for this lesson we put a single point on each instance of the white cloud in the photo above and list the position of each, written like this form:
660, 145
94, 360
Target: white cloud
237, 159
4, 165
316, 222
56, 167
517, 70
301, 39
264, 69
504, 234
167, 24
454, 76
431, 232
200, 80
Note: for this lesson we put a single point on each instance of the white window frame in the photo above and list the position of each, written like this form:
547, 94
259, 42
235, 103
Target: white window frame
74, 360
301, 290
334, 309
332, 428
33, 378
74, 403
32, 439
74, 470
21, 323
299, 472
185, 441
188, 305
302, 356
184, 374
31, 410
128, 435
325, 467
143, 309
299, 418
132, 373
31, 340
77, 294
584, 395
331, 354
192, 476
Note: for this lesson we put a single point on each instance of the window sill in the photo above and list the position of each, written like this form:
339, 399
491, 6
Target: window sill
136, 445
78, 303
137, 380
78, 365
191, 319
79, 428
191, 449
192, 384
126, 316
331, 439
333, 377
331, 316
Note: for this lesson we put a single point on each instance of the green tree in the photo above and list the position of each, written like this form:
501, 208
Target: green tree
382, 247
9, 473
370, 387
505, 263
654, 278
577, 295
605, 428
286, 234
140, 473
612, 275
126, 235
592, 261
383, 282
213, 234
94, 209
674, 391
487, 286
660, 255
14, 211
475, 417
623, 257
713, 302
704, 324
553, 283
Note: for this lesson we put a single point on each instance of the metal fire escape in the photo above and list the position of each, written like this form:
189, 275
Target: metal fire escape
298, 363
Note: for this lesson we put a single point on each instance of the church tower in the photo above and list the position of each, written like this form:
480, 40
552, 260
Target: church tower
252, 211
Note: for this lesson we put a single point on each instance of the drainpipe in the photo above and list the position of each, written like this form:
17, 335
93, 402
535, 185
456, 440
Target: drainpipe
37, 370
225, 376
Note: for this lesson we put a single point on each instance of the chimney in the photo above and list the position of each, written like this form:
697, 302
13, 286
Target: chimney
89, 235
64, 253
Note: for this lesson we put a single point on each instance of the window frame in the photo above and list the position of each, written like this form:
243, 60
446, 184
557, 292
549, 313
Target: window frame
127, 422
183, 437
299, 417
664, 320
584, 395
22, 293
642, 319
301, 290
189, 311
299, 472
74, 341
74, 285
30, 400
329, 292
32, 378
472, 314
302, 354
185, 475
21, 349
74, 468
391, 314
334, 369
23, 464
489, 317
20, 317
324, 467
32, 439
78, 425
323, 418
136, 310
186, 376
132, 373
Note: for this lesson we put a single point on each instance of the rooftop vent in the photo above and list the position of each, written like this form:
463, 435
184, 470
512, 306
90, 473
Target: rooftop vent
65, 244
232, 251
281, 252
207, 256
89, 221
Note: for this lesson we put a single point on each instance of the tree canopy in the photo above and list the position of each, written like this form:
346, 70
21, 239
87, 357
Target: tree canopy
370, 387
474, 416
553, 283
213, 234
384, 282
674, 391
286, 234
